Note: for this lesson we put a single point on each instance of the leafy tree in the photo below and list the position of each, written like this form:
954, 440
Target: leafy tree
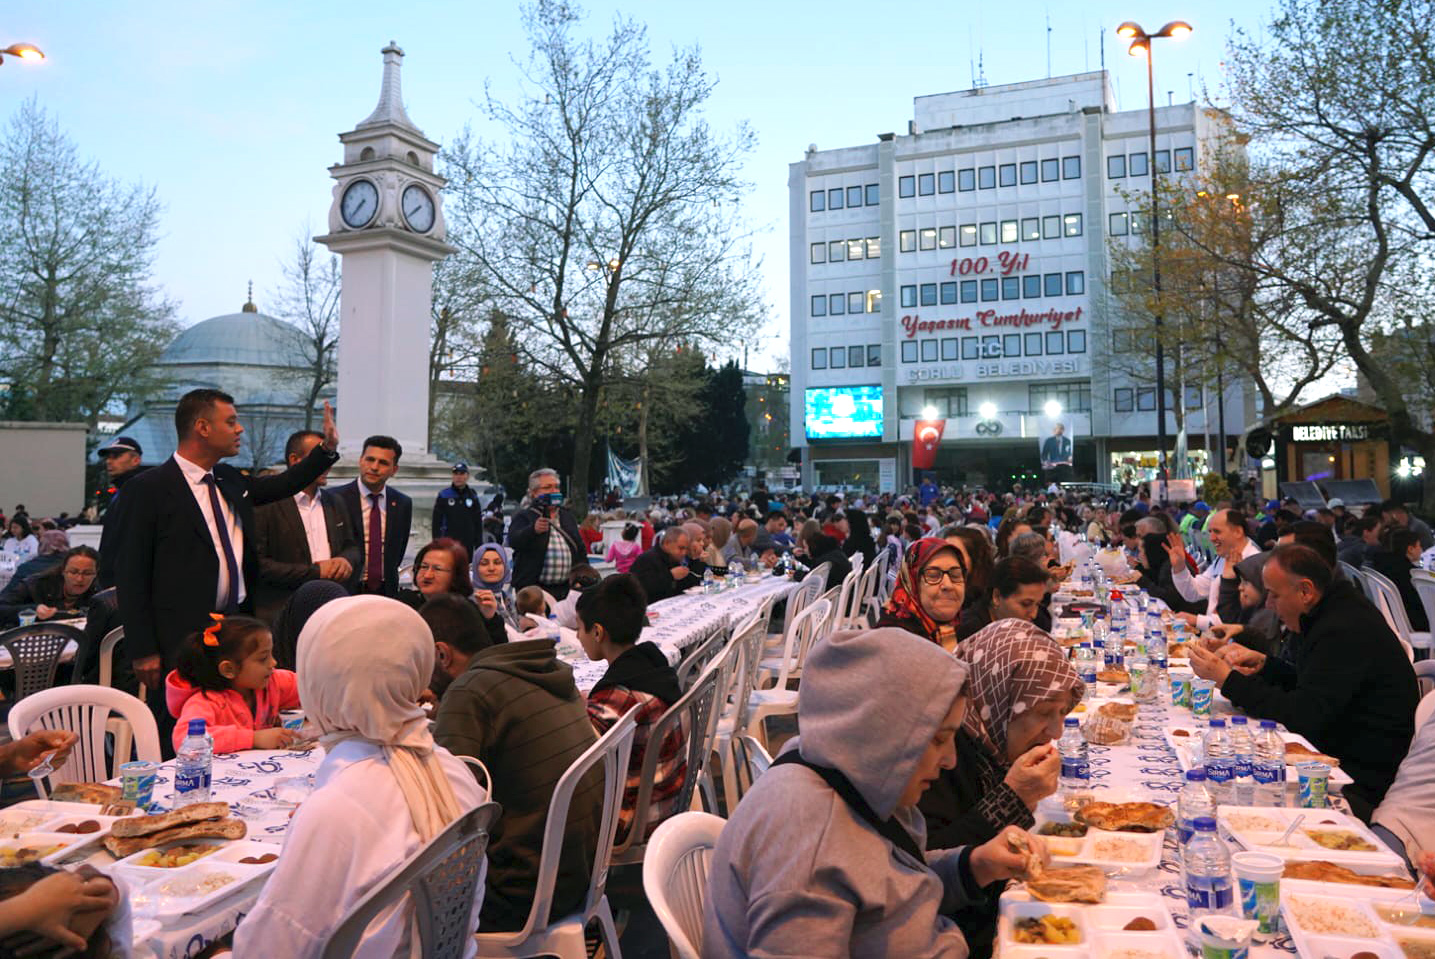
81, 319
309, 299
715, 445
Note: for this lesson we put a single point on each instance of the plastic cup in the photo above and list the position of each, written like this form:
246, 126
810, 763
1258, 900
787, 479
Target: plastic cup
1314, 784
1202, 692
1258, 880
137, 782
1224, 937
1180, 691
27, 618
291, 719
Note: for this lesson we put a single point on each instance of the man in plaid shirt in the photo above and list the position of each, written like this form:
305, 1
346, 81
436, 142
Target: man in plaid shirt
611, 617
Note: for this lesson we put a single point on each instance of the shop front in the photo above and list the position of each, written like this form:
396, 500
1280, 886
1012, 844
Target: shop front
1336, 438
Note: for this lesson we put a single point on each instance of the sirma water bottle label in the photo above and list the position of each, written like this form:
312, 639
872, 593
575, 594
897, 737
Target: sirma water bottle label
1220, 772
1076, 768
1243, 768
189, 781
1267, 773
1209, 893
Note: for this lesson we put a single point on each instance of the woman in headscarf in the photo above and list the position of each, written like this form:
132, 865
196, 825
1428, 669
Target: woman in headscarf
719, 531
295, 615
1021, 687
931, 585
383, 790
859, 537
491, 576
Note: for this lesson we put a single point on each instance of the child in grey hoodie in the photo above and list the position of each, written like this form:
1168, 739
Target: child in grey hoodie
823, 856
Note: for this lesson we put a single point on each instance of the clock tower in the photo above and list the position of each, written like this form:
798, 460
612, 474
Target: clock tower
386, 223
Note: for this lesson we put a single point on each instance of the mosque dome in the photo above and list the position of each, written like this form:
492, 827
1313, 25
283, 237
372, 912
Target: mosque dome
247, 338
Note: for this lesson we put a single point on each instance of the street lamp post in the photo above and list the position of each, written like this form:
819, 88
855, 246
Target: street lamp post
25, 51
1141, 46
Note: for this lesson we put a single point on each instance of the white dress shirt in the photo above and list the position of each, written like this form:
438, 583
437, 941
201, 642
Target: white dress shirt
194, 475
366, 504
1207, 585
316, 531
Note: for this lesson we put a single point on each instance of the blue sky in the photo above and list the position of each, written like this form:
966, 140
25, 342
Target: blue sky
231, 110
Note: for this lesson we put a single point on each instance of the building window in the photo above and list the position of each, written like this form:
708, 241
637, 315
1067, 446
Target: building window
1121, 341
1076, 283
1011, 344
854, 196
926, 184
966, 180
909, 351
819, 305
1055, 343
1030, 228
1031, 286
837, 304
1185, 159
929, 294
1031, 343
949, 402
834, 198
1071, 224
838, 358
987, 177
1193, 398
1050, 170
969, 291
819, 253
855, 302
947, 237
929, 351
1118, 224
1073, 397
819, 359
1136, 165
836, 251
909, 296
1028, 171
1116, 166
989, 234
1051, 228
854, 249
1125, 399
1051, 284
971, 348
817, 201
927, 238
968, 234
907, 241
874, 301
1009, 231
1011, 288
874, 248
949, 293
906, 186
855, 355
1071, 168
1006, 174
874, 354
1146, 399
949, 349
1163, 161
946, 182
874, 194
990, 290
1139, 219
1076, 341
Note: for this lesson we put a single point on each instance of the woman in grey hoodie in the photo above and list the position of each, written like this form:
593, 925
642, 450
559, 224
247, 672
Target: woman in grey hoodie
823, 856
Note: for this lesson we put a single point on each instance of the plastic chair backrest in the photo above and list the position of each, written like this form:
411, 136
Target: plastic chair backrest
675, 877
749, 662
84, 711
753, 761
1390, 599
1425, 677
35, 651
810, 588
1425, 588
700, 655
849, 598
1351, 573
812, 623
611, 752
442, 877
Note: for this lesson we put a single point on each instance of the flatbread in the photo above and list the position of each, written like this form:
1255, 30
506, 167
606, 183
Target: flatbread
97, 793
1119, 676
1105, 731
1126, 817
1318, 870
1297, 753
1082, 883
1125, 712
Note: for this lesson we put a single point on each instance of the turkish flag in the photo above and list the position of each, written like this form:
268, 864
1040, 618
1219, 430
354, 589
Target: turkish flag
926, 437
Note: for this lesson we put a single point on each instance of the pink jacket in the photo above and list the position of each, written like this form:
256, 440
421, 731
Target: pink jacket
226, 715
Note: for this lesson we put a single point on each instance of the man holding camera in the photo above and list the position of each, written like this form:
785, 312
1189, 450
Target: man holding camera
544, 537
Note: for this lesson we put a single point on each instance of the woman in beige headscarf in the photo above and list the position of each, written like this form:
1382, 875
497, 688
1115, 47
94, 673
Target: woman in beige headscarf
719, 530
382, 791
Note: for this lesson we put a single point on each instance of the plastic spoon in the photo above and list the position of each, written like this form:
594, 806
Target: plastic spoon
1285, 839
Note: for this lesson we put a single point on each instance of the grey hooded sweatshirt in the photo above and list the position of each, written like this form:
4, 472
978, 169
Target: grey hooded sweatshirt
796, 872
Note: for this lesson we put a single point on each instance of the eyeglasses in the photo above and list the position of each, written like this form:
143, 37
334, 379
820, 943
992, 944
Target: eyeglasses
430, 568
932, 576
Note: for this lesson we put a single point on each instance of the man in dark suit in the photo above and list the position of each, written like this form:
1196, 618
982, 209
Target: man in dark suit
663, 570
186, 533
544, 537
380, 516
305, 537
122, 458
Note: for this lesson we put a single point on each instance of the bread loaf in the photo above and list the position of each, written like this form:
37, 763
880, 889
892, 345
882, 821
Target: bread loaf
146, 825
120, 847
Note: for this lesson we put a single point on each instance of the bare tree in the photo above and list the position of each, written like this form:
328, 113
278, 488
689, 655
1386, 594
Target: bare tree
604, 223
309, 300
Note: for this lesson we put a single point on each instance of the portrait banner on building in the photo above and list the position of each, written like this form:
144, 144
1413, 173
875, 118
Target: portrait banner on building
1056, 442
626, 476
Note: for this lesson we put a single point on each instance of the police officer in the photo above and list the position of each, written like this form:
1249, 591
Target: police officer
121, 457
457, 513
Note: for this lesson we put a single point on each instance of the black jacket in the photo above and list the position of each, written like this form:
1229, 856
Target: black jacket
109, 541
643, 667
400, 518
1353, 695
841, 566
458, 514
1397, 570
284, 560
168, 568
530, 547
653, 568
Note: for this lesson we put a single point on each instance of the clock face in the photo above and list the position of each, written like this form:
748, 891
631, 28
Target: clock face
418, 208
359, 204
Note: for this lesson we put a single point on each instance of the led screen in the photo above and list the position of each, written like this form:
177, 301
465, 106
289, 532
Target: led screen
844, 412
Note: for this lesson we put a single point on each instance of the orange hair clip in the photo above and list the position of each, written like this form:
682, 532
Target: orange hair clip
211, 635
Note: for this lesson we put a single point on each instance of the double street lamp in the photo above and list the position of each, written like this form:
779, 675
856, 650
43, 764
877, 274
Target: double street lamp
1141, 47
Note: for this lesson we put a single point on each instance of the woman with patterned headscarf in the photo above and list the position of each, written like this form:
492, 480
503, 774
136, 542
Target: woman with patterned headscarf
927, 600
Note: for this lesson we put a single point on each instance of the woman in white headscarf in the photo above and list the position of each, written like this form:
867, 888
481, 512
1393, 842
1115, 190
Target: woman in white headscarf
382, 791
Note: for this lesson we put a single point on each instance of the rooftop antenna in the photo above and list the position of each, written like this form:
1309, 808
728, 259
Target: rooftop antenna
1170, 97
1048, 44
1191, 86
980, 80
1101, 36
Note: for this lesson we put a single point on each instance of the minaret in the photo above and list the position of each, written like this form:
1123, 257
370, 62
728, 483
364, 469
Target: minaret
386, 224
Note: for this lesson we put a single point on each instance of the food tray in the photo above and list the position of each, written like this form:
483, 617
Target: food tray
1100, 927
1185, 754
230, 852
59, 845
1302, 847
1352, 926
171, 894
1093, 849
39, 821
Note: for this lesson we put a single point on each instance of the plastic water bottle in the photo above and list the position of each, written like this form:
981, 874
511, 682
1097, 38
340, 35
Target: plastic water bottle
1158, 682
1099, 634
1220, 763
708, 580
1156, 644
1209, 890
1075, 766
1086, 668
1153, 621
1269, 768
193, 765
1243, 751
1192, 802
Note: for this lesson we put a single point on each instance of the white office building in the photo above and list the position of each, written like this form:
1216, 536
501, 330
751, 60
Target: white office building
962, 268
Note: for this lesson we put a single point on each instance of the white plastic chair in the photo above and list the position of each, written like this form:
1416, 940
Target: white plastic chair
809, 589
118, 727
85, 711
849, 598
442, 878
741, 659
779, 700
1425, 676
776, 672
752, 761
564, 937
1393, 606
35, 652
675, 878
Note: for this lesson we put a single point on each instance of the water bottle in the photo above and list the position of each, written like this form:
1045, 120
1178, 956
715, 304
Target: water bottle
1075, 766
1156, 644
1192, 802
1086, 668
1220, 763
1209, 890
1243, 751
1153, 621
1099, 634
1157, 684
1136, 667
193, 764
1178, 631
708, 580
1269, 767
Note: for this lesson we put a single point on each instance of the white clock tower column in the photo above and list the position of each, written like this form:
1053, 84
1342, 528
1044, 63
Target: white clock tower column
386, 223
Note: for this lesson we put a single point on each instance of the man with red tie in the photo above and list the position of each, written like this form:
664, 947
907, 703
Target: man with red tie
381, 516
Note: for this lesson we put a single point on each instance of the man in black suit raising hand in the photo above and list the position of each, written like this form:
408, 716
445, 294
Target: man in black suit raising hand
186, 534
